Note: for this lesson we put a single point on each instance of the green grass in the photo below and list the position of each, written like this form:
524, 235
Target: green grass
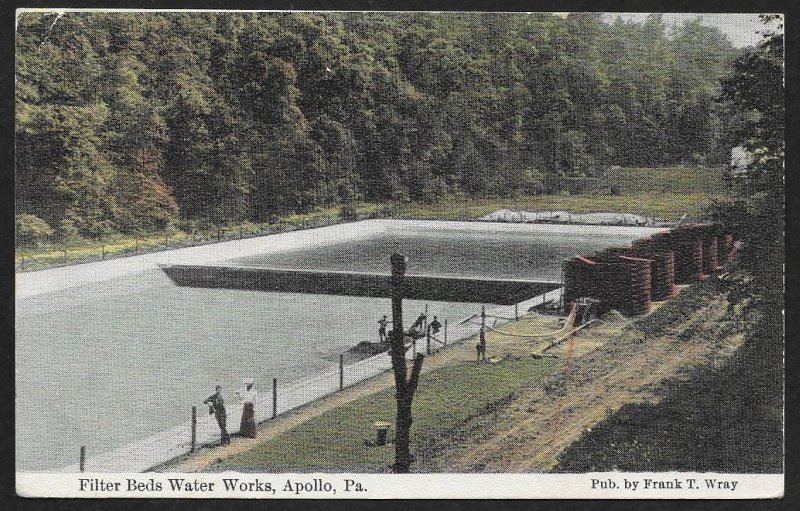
665, 193
670, 180
446, 399
666, 206
52, 254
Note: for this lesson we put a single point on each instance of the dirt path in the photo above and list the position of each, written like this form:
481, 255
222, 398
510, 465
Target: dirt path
528, 434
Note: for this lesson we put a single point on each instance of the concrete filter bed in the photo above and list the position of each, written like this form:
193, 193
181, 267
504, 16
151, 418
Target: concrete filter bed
134, 352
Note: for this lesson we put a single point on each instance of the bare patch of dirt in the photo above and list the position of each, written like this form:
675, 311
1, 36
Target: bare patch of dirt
602, 371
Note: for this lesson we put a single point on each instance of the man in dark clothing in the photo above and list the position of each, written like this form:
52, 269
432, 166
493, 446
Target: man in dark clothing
382, 328
481, 346
435, 326
217, 407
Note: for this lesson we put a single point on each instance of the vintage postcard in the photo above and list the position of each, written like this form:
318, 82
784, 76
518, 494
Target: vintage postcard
283, 254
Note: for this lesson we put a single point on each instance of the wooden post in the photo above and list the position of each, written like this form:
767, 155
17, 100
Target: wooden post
483, 316
194, 429
219, 235
83, 459
274, 397
103, 253
65, 255
445, 332
425, 325
561, 305
428, 335
136, 244
516, 311
241, 231
22, 262
341, 372
405, 384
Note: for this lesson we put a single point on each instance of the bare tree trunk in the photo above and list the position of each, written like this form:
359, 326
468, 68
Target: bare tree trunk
405, 386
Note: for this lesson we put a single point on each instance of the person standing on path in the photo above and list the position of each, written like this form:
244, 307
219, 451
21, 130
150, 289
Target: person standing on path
416, 328
248, 396
217, 407
481, 346
382, 328
435, 326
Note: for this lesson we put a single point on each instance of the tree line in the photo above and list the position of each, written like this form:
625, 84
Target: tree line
130, 122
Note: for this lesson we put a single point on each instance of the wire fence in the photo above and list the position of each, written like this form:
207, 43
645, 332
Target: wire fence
56, 255
201, 429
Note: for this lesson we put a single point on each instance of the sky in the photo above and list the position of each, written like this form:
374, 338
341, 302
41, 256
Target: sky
741, 29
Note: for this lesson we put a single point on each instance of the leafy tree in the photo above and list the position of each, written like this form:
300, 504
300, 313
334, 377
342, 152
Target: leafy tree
756, 88
132, 122
31, 230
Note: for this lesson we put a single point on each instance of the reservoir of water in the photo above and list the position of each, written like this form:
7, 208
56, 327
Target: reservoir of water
111, 352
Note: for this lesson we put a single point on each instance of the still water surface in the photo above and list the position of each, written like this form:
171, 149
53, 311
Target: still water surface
532, 255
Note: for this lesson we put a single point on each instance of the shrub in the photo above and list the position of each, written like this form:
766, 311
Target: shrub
348, 213
31, 230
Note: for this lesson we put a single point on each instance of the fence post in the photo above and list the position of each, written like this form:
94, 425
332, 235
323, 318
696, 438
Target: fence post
83, 458
341, 372
194, 428
516, 311
219, 235
65, 255
445, 331
103, 253
428, 339
241, 231
166, 240
136, 244
483, 316
22, 262
274, 397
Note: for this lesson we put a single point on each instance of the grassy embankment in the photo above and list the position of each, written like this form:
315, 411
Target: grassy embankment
664, 193
52, 254
727, 418
338, 440
448, 396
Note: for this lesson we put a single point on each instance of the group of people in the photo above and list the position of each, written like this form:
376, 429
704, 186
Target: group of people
415, 330
434, 326
216, 406
247, 428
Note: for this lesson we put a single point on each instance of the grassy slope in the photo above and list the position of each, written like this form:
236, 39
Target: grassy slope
118, 243
665, 193
721, 419
446, 399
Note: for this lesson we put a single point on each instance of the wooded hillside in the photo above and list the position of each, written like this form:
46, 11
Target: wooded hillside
131, 122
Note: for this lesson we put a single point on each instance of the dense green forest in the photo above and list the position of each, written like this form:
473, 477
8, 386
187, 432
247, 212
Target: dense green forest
129, 122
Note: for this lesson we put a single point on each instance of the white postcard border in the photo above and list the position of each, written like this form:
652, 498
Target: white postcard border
598, 485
